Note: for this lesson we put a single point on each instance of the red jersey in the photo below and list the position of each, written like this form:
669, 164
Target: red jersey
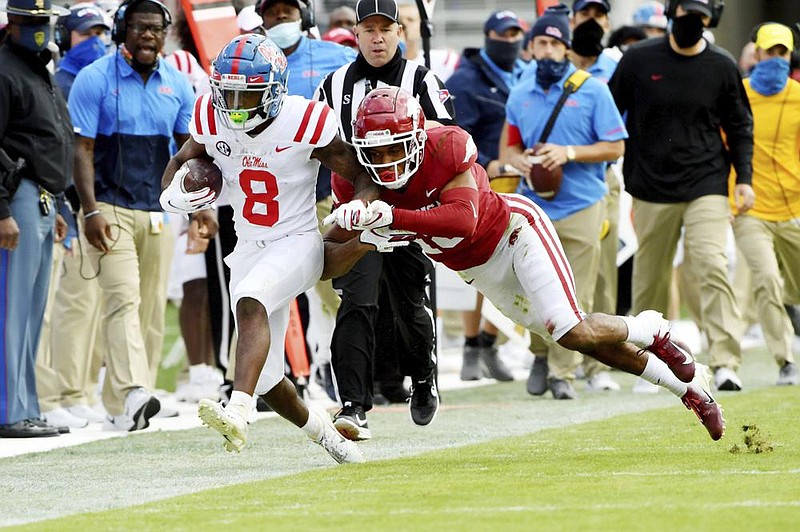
449, 151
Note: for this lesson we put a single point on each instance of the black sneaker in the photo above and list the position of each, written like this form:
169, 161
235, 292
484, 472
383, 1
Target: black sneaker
537, 380
471, 369
351, 422
493, 366
424, 401
561, 389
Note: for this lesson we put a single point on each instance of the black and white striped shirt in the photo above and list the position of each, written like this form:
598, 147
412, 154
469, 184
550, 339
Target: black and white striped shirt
344, 89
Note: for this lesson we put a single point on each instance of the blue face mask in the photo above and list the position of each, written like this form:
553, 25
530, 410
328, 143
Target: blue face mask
549, 71
34, 38
85, 53
770, 76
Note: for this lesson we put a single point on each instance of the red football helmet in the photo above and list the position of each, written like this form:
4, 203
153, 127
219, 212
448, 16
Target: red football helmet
387, 116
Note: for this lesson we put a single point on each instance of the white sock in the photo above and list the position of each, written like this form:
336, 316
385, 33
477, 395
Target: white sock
313, 427
657, 372
242, 398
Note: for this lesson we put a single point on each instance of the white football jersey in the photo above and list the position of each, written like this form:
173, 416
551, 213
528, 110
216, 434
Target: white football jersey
270, 179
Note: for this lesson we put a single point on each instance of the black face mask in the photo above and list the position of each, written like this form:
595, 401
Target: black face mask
504, 54
549, 71
586, 39
687, 30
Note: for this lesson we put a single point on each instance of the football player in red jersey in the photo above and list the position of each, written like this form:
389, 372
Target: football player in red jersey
433, 191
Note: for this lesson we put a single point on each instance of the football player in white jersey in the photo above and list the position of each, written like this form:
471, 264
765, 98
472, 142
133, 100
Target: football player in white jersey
269, 147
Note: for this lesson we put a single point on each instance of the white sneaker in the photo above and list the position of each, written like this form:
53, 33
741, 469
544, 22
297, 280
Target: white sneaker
725, 379
342, 450
60, 417
86, 412
192, 392
168, 407
230, 421
140, 406
602, 382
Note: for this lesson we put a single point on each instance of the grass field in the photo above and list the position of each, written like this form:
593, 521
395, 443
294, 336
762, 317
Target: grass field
494, 459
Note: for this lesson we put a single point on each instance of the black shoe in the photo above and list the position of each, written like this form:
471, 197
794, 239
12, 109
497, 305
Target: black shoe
424, 401
537, 380
471, 369
351, 422
492, 365
561, 389
62, 429
26, 429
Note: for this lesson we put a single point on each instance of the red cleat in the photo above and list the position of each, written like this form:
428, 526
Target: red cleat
698, 399
675, 356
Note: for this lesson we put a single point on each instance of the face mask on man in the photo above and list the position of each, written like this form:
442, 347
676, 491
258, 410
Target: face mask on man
770, 76
503, 54
285, 35
549, 71
687, 30
587, 37
34, 37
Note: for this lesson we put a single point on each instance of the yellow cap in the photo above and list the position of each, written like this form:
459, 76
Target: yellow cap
773, 34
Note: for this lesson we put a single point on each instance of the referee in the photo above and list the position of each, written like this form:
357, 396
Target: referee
403, 331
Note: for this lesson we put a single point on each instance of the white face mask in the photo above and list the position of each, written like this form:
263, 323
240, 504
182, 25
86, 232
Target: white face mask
285, 35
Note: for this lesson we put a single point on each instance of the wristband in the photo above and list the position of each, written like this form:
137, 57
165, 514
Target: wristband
570, 154
90, 214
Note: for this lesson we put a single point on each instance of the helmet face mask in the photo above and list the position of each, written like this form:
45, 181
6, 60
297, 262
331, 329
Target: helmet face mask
389, 117
248, 81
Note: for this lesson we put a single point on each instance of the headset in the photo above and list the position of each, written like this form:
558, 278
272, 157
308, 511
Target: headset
717, 7
119, 29
307, 18
61, 35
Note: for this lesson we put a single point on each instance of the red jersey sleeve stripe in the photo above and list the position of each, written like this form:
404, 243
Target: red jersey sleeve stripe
320, 124
188, 62
212, 121
198, 123
304, 124
514, 137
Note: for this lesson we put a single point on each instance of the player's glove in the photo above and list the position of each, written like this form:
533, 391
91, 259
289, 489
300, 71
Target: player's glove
379, 214
385, 239
175, 200
348, 215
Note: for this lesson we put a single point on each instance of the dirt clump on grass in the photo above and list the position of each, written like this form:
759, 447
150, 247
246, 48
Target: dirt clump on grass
754, 441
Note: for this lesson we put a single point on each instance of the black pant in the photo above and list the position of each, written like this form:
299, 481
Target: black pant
384, 324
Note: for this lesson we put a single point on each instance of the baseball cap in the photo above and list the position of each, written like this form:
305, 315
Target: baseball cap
583, 4
261, 5
500, 21
772, 34
83, 17
698, 6
341, 36
33, 8
385, 8
650, 15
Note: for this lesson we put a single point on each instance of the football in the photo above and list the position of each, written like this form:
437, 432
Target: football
202, 173
544, 182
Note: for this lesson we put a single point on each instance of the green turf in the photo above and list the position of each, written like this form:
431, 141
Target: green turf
655, 470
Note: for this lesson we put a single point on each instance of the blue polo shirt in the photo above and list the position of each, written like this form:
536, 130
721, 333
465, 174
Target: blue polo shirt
588, 116
311, 61
603, 68
132, 124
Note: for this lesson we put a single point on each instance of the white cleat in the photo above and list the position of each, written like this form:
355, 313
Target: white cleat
342, 450
230, 421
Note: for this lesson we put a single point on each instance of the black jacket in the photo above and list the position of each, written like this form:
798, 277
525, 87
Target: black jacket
34, 123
